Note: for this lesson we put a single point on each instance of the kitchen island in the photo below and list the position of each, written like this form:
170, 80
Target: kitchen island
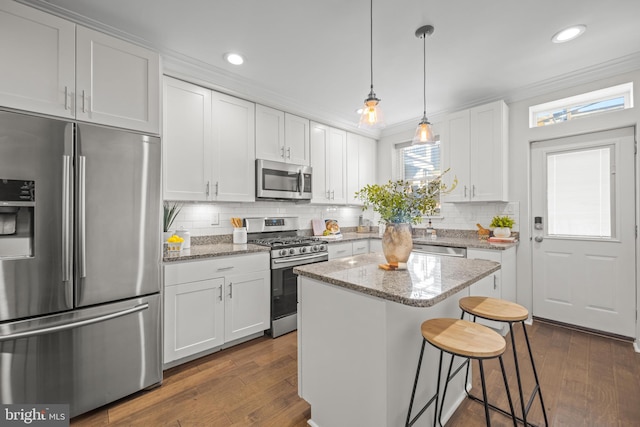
359, 335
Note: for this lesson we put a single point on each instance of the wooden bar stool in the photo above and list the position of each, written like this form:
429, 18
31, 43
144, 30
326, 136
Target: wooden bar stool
464, 339
506, 311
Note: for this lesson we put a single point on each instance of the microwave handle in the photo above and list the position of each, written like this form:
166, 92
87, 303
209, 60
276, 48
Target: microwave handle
300, 182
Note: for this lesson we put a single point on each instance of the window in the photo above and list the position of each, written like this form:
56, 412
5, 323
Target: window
418, 164
609, 99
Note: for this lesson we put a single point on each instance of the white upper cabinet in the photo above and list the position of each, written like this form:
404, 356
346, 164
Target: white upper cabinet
54, 67
281, 137
234, 155
117, 83
38, 61
208, 145
474, 146
361, 159
187, 147
329, 163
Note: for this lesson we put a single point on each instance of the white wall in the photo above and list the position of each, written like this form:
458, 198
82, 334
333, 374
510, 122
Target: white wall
520, 138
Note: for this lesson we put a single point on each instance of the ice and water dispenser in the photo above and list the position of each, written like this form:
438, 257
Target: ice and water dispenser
17, 212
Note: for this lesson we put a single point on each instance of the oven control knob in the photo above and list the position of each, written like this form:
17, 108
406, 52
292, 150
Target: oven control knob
322, 247
303, 250
283, 252
292, 251
315, 248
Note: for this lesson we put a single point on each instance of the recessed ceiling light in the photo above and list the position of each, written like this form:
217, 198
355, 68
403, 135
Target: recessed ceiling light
568, 33
234, 58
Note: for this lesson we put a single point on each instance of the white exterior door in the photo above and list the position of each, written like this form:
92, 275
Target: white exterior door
583, 205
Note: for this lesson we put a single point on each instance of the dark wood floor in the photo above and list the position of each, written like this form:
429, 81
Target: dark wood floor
587, 380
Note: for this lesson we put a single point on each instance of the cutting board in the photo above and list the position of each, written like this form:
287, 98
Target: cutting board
318, 226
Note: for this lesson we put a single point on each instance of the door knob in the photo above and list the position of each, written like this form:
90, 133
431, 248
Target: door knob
538, 239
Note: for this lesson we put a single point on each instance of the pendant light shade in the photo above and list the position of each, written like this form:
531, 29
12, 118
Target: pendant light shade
371, 117
424, 133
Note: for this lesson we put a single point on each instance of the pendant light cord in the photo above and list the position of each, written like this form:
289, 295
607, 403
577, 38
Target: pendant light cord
424, 73
371, 40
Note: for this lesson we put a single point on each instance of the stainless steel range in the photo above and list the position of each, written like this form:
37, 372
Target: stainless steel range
288, 250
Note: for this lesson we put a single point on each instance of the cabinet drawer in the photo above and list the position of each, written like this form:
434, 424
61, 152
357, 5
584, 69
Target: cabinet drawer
340, 250
193, 271
360, 247
490, 255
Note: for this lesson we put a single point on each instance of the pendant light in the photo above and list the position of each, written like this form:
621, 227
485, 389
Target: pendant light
371, 116
424, 133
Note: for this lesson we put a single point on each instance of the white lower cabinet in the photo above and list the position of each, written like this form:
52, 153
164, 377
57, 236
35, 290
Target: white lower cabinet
375, 245
214, 302
501, 284
345, 249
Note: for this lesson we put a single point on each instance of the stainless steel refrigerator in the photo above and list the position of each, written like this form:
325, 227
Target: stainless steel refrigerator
79, 262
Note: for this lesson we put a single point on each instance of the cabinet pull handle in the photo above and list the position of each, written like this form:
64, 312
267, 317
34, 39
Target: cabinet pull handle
465, 191
230, 290
225, 268
216, 188
83, 103
473, 191
333, 195
288, 152
208, 183
282, 151
220, 296
495, 286
328, 194
66, 98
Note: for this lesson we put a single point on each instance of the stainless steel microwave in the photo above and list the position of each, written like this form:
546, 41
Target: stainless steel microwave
284, 181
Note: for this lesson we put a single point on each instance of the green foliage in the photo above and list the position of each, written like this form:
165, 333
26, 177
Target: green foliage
401, 201
502, 221
171, 211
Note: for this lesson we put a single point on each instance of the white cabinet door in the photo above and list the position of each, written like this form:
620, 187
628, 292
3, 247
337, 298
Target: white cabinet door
233, 139
454, 146
375, 245
269, 134
296, 138
361, 154
489, 152
193, 318
319, 180
38, 61
186, 144
117, 83
247, 308
336, 163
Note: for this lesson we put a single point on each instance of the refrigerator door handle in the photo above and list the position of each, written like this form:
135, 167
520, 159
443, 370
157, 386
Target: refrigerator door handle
82, 226
73, 324
67, 259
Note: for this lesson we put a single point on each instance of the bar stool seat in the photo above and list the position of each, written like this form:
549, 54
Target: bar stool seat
464, 339
509, 312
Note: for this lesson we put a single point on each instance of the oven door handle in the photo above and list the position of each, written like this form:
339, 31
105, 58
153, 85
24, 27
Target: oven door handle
284, 260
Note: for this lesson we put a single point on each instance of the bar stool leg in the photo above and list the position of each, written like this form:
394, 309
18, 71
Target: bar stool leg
535, 375
484, 394
506, 387
515, 360
410, 421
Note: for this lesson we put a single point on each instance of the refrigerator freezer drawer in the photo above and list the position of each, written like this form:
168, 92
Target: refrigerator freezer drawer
86, 358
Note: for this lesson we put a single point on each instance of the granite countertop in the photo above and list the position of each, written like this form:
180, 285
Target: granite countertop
428, 279
213, 250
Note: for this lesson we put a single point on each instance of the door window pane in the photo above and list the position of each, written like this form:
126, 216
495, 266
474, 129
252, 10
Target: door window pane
579, 193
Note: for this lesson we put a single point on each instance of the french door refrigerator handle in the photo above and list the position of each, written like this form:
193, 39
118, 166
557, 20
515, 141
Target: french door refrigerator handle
82, 211
73, 324
67, 259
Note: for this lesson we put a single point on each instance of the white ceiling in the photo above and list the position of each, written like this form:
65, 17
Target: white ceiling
312, 57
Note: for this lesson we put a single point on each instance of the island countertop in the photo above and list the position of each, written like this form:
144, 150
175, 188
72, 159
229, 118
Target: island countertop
427, 280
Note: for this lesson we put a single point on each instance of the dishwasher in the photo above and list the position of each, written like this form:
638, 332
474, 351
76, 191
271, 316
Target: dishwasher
424, 248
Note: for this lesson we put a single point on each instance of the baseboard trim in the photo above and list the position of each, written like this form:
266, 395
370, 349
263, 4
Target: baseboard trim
585, 330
